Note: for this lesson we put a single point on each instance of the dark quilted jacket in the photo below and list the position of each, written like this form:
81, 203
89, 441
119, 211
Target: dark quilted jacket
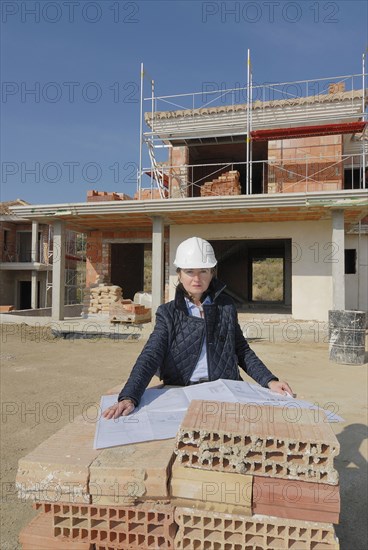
175, 344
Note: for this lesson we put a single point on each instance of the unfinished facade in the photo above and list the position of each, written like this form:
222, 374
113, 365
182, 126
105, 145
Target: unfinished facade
283, 200
26, 258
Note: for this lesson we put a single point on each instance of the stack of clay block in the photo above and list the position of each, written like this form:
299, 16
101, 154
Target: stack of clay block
282, 488
232, 480
102, 196
39, 535
114, 498
145, 525
226, 184
129, 312
102, 296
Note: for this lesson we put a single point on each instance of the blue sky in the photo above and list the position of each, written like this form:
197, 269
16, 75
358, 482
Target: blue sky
79, 128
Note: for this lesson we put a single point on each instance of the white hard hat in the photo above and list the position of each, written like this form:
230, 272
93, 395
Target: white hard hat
195, 253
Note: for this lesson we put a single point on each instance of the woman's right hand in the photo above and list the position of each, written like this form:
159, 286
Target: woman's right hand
122, 408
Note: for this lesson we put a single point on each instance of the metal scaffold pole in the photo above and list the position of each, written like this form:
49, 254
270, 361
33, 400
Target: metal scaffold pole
250, 128
152, 116
140, 136
248, 121
364, 117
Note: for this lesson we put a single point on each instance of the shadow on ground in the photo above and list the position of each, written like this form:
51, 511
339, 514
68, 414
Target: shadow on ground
353, 470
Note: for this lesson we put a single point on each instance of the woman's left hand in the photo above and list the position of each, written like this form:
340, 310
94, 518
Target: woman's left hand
279, 386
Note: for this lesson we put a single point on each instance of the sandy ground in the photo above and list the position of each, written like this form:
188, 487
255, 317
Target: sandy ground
41, 377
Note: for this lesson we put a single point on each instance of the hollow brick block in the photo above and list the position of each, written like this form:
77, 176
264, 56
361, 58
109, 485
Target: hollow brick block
296, 499
211, 487
39, 535
60, 465
133, 471
203, 530
146, 525
260, 440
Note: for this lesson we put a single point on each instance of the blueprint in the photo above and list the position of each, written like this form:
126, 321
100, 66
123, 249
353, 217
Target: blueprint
161, 410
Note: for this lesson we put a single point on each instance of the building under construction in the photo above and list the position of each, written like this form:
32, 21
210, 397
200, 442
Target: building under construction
276, 183
26, 259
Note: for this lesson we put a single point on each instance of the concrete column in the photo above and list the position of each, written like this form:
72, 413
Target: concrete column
157, 262
58, 271
338, 260
34, 289
34, 251
287, 274
34, 258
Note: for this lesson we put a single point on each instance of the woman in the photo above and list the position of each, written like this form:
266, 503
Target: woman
197, 337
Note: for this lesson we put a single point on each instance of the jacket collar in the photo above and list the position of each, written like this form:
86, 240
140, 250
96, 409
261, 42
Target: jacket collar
214, 290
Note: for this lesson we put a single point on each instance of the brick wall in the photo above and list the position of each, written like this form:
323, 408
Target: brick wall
291, 161
10, 229
11, 252
178, 180
98, 254
7, 290
98, 259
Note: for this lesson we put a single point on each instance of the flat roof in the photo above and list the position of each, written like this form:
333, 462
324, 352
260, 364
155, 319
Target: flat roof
133, 214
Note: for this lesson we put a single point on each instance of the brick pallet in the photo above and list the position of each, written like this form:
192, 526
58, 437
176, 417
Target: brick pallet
126, 311
226, 184
148, 495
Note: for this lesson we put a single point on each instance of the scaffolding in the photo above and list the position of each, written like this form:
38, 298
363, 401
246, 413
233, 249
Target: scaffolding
298, 103
75, 276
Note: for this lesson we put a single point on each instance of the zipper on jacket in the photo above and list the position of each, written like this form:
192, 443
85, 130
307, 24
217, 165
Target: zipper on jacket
200, 347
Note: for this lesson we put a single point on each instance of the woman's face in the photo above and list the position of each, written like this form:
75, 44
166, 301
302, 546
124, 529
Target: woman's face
195, 281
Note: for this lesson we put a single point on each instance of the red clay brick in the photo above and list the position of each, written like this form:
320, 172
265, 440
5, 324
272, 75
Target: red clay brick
204, 486
296, 499
60, 465
39, 535
139, 470
229, 437
203, 530
146, 525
